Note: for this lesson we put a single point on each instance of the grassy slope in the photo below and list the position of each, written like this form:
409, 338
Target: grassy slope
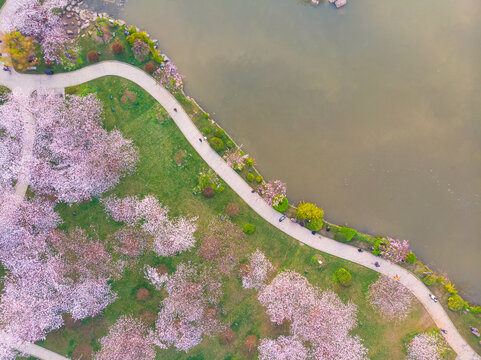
158, 174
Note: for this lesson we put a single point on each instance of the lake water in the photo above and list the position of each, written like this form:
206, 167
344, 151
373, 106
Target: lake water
372, 111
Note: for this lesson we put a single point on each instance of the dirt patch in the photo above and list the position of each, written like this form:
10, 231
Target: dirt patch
83, 352
128, 97
180, 157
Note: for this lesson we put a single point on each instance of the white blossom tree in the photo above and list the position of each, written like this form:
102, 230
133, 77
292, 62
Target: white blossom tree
255, 272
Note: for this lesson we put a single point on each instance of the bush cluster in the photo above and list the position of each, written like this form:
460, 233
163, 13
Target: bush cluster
117, 48
429, 280
216, 143
343, 277
150, 67
456, 303
93, 56
250, 177
208, 192
249, 228
411, 257
282, 206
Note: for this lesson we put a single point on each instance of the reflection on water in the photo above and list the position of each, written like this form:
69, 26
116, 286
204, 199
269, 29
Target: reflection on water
372, 111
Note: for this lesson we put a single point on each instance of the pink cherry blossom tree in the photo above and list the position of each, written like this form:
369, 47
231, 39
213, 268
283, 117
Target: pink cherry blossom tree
235, 158
274, 192
189, 311
128, 339
170, 236
255, 272
391, 298
395, 250
282, 348
50, 275
40, 19
318, 319
74, 156
426, 346
168, 75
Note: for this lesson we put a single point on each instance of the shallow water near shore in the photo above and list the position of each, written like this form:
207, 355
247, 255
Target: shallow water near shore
372, 111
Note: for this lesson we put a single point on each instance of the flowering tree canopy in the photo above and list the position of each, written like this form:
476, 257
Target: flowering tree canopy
170, 236
73, 156
254, 273
395, 250
40, 19
189, 312
426, 346
275, 192
391, 298
128, 339
282, 348
318, 318
235, 158
168, 75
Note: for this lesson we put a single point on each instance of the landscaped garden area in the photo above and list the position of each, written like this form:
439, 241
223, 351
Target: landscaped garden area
159, 174
156, 248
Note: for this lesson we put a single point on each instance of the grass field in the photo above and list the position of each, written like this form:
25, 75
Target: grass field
158, 141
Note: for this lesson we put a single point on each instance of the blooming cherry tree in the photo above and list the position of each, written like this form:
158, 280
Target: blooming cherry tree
395, 250
189, 312
319, 319
170, 236
282, 348
391, 298
40, 19
254, 273
426, 346
128, 339
274, 192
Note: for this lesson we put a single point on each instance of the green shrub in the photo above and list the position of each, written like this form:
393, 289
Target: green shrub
411, 258
475, 309
339, 236
379, 242
308, 211
259, 179
250, 177
207, 130
456, 303
350, 233
249, 161
249, 228
450, 288
282, 206
229, 144
343, 277
315, 225
216, 143
219, 132
429, 280
318, 261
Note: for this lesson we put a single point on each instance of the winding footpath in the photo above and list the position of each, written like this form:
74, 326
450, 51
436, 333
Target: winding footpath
28, 82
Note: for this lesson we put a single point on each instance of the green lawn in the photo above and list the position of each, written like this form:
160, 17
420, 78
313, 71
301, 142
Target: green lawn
2, 2
158, 141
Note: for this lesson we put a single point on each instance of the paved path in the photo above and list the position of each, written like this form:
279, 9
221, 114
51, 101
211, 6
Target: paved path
440, 317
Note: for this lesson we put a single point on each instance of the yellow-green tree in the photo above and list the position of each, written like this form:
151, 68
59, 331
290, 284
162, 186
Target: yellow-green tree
17, 50
315, 215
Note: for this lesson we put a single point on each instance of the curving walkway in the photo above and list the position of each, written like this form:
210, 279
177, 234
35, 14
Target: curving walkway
114, 68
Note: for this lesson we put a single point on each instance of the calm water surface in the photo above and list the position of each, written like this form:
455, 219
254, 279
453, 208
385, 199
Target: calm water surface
372, 111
